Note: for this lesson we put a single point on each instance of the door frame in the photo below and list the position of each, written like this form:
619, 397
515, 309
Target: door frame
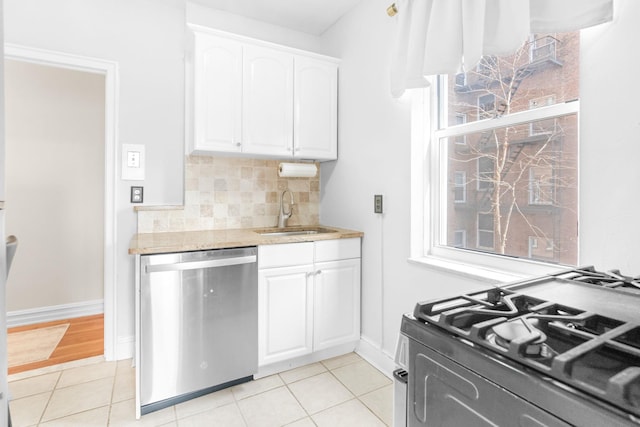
109, 69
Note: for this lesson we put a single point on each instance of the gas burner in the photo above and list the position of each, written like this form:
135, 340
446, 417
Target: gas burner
524, 331
499, 303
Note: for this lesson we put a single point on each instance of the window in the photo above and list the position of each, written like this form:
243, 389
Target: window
461, 118
521, 131
460, 187
461, 79
485, 231
486, 106
540, 248
486, 166
488, 65
460, 238
541, 188
542, 127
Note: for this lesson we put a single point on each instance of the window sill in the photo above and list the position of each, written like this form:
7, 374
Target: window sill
515, 270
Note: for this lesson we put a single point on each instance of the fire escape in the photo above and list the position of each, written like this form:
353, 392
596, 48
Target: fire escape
542, 53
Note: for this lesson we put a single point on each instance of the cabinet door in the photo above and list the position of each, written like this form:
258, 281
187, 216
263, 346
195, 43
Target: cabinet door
285, 327
336, 303
267, 126
217, 97
316, 109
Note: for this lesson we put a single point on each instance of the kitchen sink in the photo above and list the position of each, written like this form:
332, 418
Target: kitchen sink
298, 231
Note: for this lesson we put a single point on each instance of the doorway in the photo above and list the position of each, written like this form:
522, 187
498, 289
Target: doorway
67, 184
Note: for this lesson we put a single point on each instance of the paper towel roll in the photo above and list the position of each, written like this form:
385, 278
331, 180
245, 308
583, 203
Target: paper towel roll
301, 170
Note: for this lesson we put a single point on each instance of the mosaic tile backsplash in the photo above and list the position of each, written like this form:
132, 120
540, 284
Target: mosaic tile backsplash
229, 192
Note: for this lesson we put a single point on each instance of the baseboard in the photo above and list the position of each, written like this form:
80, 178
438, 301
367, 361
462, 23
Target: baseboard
125, 348
297, 362
377, 357
55, 312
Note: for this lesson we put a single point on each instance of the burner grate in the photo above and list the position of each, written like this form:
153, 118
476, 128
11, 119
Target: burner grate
610, 279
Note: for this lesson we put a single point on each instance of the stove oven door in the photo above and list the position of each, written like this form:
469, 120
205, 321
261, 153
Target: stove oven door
444, 393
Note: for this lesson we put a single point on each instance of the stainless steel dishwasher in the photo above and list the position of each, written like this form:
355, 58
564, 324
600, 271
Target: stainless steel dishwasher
198, 324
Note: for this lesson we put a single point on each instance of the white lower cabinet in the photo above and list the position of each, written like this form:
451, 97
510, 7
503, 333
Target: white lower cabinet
309, 298
336, 301
285, 315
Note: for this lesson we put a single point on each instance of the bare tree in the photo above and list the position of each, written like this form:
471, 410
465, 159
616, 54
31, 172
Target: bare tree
518, 165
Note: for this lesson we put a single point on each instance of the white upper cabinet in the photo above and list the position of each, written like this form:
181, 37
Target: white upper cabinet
266, 101
254, 98
316, 109
218, 79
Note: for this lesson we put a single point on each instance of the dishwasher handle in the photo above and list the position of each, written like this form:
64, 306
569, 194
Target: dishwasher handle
195, 265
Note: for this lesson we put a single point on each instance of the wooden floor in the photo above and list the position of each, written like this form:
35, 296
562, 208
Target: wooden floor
84, 338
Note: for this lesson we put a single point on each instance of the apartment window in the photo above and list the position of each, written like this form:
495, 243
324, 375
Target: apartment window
540, 248
485, 231
460, 187
542, 127
460, 119
525, 181
488, 65
484, 176
486, 106
460, 238
541, 186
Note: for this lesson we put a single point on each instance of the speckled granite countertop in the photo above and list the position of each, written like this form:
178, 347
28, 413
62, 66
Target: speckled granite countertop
155, 243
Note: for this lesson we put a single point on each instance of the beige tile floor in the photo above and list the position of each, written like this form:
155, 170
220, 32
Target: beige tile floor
343, 391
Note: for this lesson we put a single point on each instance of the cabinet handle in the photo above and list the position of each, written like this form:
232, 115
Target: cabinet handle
238, 144
318, 272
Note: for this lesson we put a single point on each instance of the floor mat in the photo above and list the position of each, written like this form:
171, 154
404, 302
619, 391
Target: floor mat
34, 345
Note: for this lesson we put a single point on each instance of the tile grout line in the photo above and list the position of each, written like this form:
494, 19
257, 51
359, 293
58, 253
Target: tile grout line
55, 386
356, 396
296, 397
113, 388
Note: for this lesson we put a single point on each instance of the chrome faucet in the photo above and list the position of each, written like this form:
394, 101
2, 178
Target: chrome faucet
284, 216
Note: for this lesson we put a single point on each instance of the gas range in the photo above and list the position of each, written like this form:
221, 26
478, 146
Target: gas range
565, 346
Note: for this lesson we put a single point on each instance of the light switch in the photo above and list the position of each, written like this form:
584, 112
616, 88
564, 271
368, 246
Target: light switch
133, 159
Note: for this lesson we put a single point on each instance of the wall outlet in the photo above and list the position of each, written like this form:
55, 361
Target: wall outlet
137, 194
377, 203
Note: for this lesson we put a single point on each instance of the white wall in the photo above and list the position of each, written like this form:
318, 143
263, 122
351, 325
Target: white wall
374, 158
54, 180
146, 39
609, 147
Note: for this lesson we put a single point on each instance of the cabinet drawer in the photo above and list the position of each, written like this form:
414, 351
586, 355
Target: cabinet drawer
330, 250
285, 255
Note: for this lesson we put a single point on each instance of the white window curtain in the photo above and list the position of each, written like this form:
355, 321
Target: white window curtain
450, 36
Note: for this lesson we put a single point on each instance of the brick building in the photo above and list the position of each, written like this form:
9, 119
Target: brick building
513, 189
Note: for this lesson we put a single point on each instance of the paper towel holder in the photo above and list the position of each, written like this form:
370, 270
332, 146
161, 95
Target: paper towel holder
297, 170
